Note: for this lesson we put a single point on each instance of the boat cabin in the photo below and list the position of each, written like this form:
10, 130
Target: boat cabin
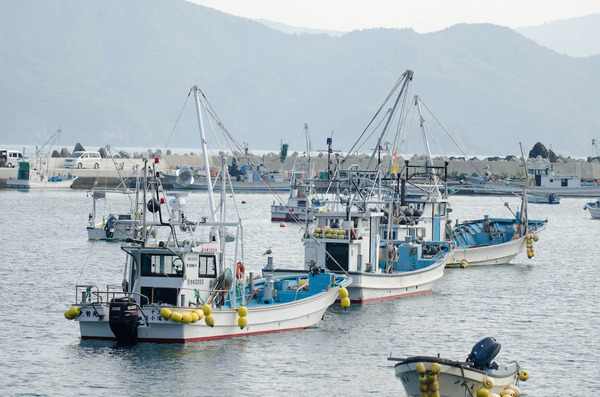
350, 241
542, 176
161, 275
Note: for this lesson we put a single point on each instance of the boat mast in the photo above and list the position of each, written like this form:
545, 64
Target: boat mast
407, 76
426, 141
209, 186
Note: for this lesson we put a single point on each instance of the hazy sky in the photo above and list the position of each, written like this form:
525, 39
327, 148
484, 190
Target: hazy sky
421, 15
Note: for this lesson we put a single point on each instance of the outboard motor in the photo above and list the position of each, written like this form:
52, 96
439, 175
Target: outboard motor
124, 319
484, 352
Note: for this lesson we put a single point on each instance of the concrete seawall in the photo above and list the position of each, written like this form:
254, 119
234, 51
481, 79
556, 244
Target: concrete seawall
107, 174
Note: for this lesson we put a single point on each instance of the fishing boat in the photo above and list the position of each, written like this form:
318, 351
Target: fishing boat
539, 180
120, 226
181, 276
495, 241
37, 178
37, 175
593, 208
348, 242
538, 198
477, 376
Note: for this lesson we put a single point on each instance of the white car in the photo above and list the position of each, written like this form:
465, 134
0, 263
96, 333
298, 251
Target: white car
83, 160
10, 158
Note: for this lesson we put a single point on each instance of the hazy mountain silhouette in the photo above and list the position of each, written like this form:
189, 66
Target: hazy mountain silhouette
576, 37
118, 72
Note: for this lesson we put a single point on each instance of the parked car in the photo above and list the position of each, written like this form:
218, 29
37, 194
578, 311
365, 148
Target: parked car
10, 158
83, 159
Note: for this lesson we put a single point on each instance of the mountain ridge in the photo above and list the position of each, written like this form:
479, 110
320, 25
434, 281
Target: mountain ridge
118, 73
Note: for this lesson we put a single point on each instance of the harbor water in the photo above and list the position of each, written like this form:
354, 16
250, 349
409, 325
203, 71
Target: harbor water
544, 311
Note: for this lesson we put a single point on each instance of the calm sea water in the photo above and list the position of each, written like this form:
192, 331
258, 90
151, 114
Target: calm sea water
544, 311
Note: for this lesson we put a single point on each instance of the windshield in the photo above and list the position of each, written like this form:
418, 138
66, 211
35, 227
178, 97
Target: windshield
75, 155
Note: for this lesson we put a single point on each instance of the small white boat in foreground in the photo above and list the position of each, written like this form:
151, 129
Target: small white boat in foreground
477, 377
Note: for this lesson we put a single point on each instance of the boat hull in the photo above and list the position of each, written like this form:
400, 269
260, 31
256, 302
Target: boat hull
594, 212
303, 313
282, 213
27, 184
496, 254
455, 380
368, 287
98, 232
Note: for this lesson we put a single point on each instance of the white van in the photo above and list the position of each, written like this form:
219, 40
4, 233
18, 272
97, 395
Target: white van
10, 158
85, 159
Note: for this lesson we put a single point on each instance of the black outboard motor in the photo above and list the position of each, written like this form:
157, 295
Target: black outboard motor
484, 352
124, 319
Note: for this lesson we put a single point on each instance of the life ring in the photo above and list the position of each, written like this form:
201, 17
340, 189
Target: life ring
239, 270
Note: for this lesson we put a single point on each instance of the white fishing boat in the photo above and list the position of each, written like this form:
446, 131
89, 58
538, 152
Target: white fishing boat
348, 242
593, 208
119, 226
33, 178
495, 241
477, 376
539, 180
173, 281
37, 175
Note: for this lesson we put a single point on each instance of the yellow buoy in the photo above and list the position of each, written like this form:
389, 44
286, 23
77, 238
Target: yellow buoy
483, 392
200, 314
207, 309
68, 314
515, 389
434, 394
186, 318
488, 382
72, 312
176, 316
210, 320
431, 378
75, 311
536, 237
464, 264
343, 292
423, 387
523, 375
507, 393
242, 322
345, 302
195, 316
421, 368
165, 312
423, 379
242, 311
436, 368
434, 386
303, 281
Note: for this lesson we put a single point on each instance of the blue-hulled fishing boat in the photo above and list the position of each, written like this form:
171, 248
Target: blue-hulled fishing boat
494, 241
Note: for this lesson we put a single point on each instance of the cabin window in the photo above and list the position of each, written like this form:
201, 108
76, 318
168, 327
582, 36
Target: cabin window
162, 266
564, 182
166, 296
339, 252
207, 266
